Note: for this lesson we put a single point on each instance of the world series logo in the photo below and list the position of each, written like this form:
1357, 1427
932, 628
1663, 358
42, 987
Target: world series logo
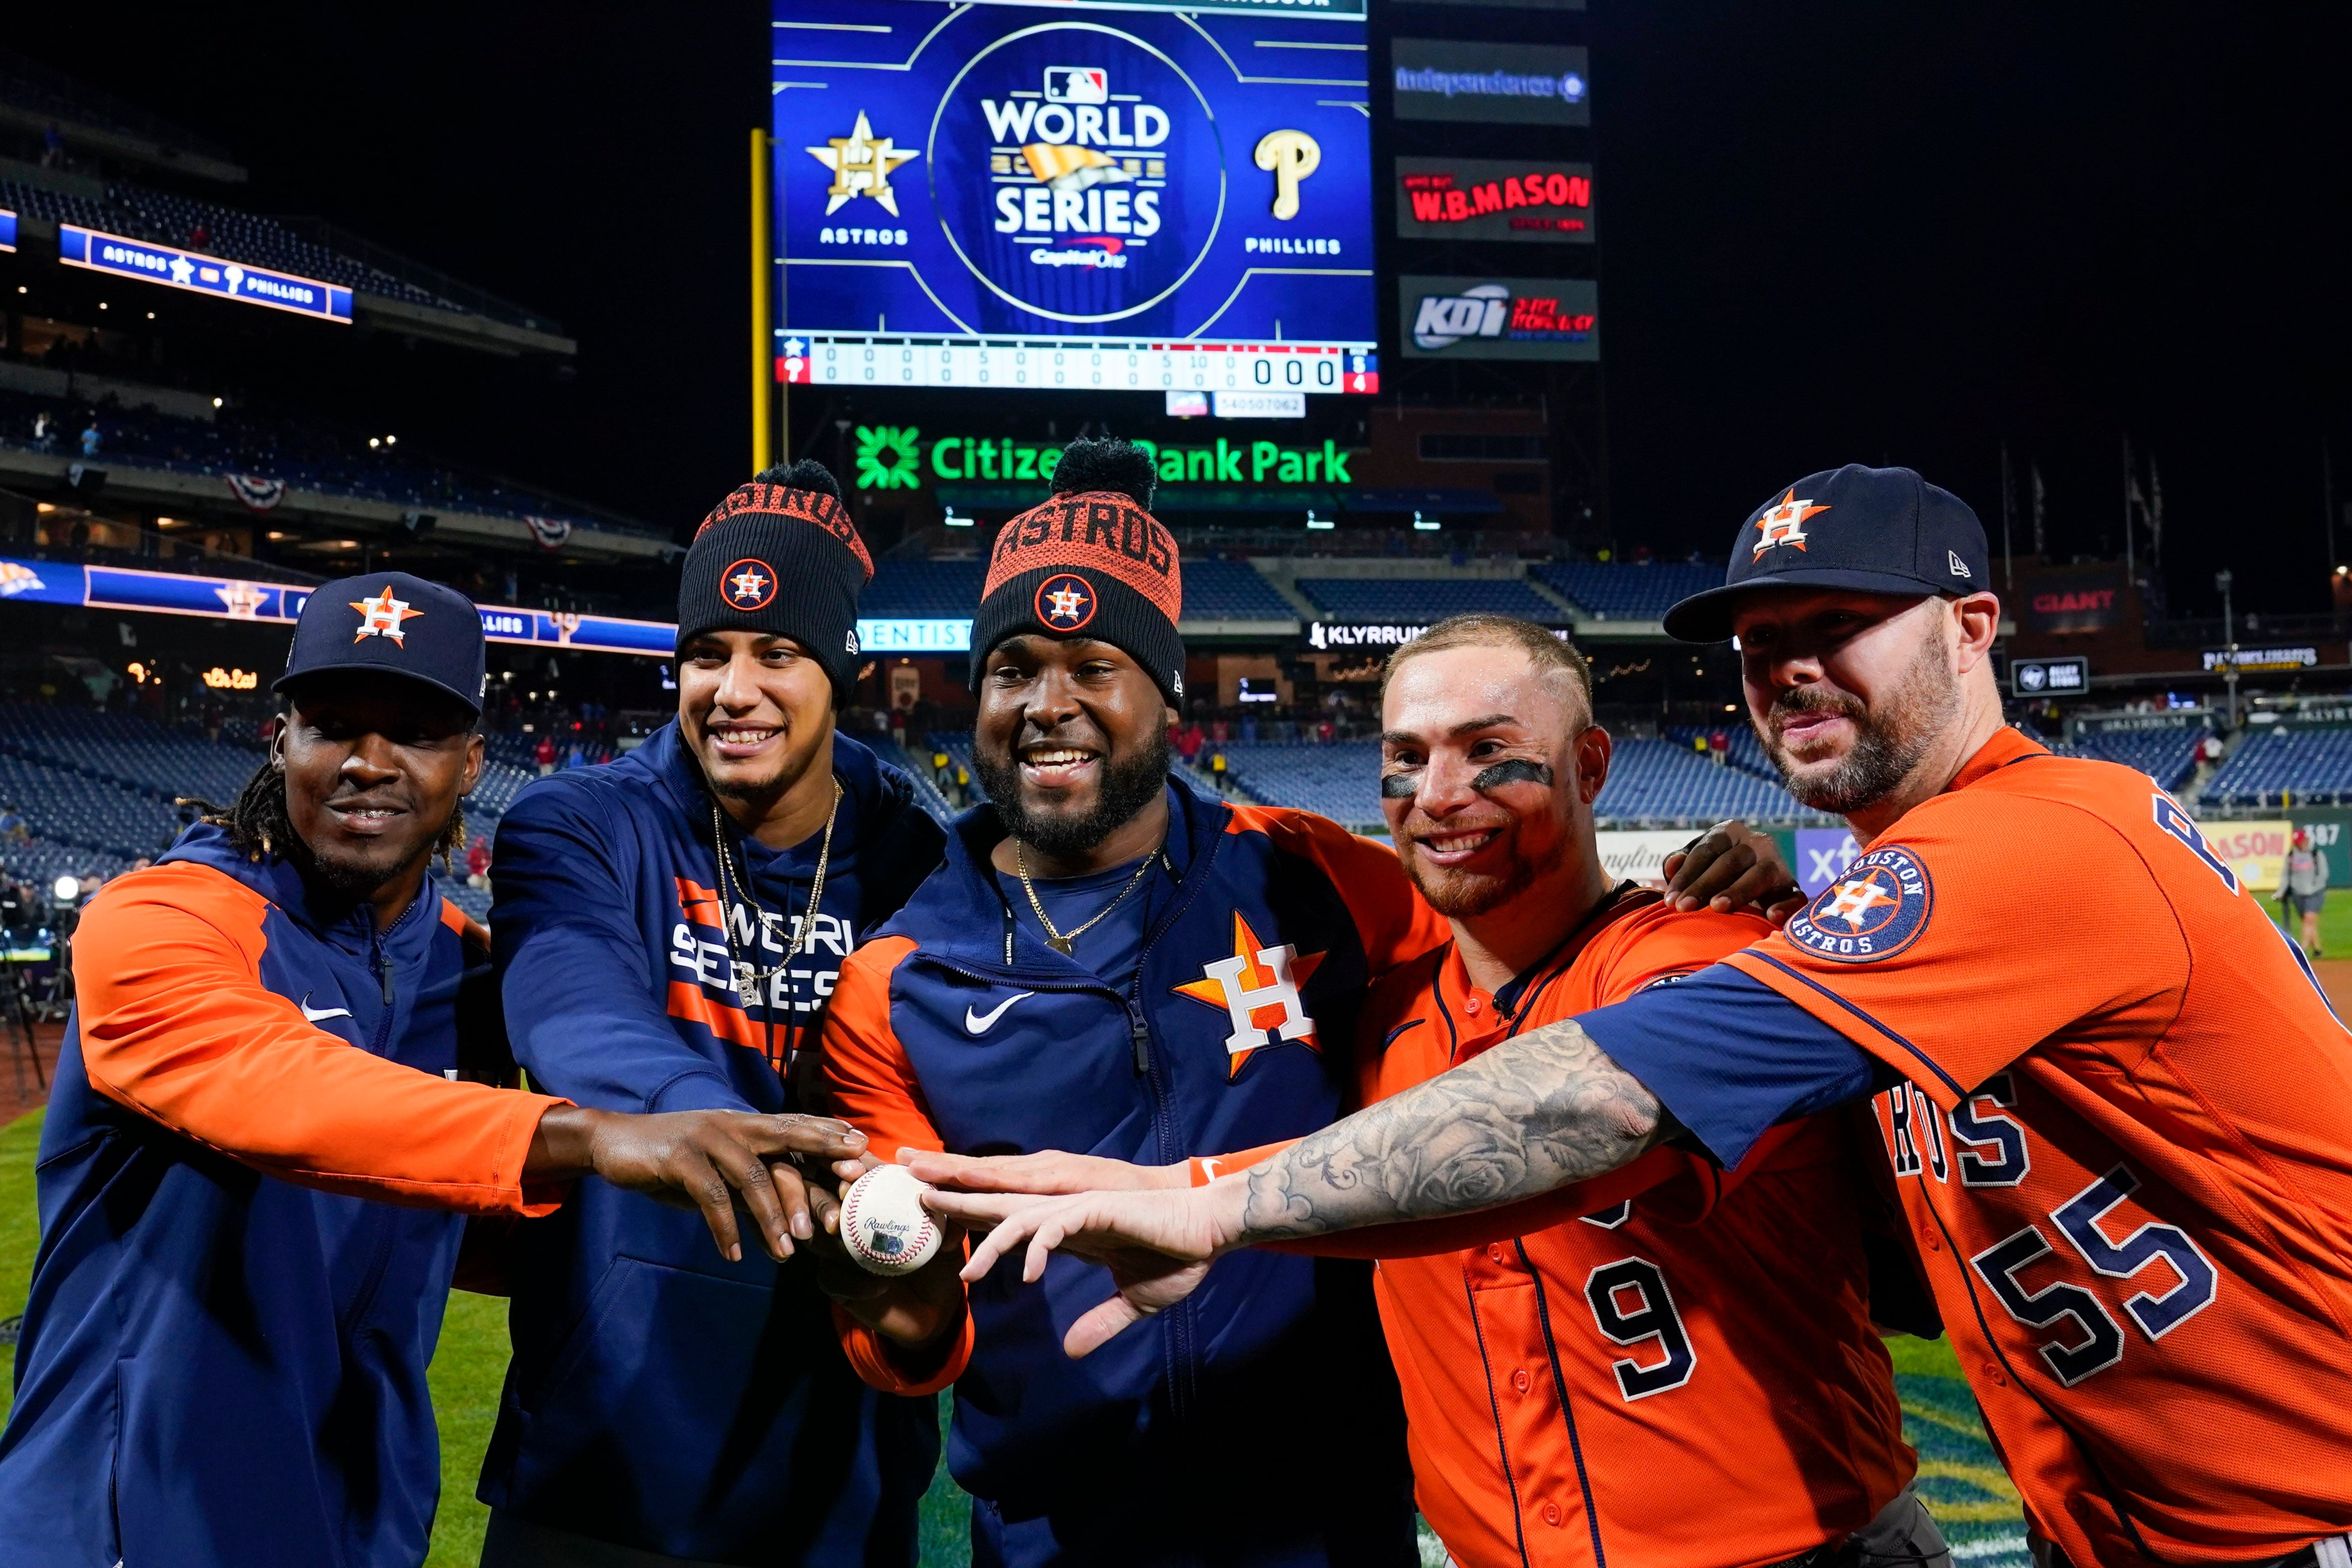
1063, 162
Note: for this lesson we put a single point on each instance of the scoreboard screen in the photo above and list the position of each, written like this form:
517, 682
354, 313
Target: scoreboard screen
1073, 196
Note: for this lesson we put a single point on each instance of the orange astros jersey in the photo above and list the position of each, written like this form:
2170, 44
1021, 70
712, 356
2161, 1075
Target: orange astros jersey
2121, 1143
1687, 1377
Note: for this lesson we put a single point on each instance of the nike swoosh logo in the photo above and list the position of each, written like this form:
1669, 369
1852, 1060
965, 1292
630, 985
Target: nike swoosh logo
316, 1014
981, 1023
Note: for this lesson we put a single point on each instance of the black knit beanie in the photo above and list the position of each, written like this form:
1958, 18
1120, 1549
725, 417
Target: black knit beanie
780, 555
1092, 564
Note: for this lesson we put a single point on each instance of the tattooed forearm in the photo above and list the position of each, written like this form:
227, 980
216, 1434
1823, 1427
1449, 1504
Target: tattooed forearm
1533, 1114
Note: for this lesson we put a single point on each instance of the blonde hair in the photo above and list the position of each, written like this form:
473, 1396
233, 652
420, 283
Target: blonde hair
1485, 630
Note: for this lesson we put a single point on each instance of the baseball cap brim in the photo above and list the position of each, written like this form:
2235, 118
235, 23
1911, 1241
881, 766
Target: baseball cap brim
472, 702
1706, 617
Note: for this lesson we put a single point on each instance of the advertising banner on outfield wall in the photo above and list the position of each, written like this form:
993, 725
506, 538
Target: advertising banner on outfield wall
1494, 198
1822, 855
2255, 850
1639, 855
1507, 83
1499, 318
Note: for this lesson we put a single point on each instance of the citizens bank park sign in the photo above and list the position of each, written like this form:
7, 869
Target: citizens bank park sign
897, 457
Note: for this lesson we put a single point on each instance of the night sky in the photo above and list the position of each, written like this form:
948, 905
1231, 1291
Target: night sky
1832, 233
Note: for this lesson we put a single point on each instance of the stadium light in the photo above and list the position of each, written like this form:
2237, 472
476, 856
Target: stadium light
102, 305
951, 520
392, 441
1319, 525
1422, 525
373, 444
66, 891
217, 402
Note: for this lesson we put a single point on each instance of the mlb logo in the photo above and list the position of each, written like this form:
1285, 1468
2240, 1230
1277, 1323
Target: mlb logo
1076, 84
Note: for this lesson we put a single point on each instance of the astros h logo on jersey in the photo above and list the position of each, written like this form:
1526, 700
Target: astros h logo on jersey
1258, 988
1065, 602
1784, 524
1875, 909
748, 585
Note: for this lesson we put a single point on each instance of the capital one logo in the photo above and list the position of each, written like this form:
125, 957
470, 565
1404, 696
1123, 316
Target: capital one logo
1445, 320
1258, 988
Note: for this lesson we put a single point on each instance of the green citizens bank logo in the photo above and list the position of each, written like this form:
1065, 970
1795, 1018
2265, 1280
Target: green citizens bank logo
891, 458
887, 459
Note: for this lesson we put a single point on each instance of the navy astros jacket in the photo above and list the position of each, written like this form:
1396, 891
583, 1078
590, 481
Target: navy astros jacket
659, 1397
1257, 1423
223, 1360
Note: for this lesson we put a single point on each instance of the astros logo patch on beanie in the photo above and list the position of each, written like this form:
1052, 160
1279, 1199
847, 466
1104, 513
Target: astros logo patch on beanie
781, 555
1096, 565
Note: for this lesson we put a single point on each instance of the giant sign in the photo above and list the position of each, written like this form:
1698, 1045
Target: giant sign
1500, 319
1490, 198
2065, 600
1514, 84
1079, 194
201, 274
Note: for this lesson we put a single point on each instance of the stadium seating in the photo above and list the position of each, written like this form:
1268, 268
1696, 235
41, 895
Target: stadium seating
2313, 767
949, 589
2167, 755
138, 212
1419, 601
1746, 752
243, 442
78, 811
1620, 592
1218, 590
922, 589
127, 751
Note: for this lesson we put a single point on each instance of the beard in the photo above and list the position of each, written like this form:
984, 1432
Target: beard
1459, 894
1888, 743
1129, 784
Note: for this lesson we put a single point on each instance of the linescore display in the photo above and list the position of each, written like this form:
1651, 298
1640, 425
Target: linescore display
1131, 180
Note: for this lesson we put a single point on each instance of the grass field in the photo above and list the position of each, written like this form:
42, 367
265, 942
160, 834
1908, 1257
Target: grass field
2335, 921
1958, 1474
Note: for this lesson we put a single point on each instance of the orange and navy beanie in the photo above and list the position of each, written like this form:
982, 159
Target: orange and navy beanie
780, 555
1094, 564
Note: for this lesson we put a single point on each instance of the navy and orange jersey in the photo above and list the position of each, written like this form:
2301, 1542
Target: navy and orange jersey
959, 1027
659, 1397
2122, 1140
252, 1180
1686, 1375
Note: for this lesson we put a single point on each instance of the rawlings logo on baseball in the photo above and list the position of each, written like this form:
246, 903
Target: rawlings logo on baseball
884, 1225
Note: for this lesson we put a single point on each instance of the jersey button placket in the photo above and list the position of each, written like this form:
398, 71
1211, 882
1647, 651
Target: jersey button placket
1520, 1380
1994, 1375
1495, 1254
1552, 1513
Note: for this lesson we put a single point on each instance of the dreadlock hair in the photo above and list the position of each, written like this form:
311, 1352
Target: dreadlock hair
258, 825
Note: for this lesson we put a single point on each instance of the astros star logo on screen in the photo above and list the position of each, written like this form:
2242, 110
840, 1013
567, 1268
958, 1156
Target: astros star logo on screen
1784, 524
382, 616
861, 162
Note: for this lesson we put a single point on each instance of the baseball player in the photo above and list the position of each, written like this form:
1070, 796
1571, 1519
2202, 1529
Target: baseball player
668, 931
1578, 1368
255, 1168
2119, 1142
1114, 962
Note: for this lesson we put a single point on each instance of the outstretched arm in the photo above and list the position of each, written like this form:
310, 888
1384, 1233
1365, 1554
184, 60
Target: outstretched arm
1538, 1113
1533, 1114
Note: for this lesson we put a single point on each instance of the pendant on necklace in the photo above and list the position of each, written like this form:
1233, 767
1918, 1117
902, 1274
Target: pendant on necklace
1060, 945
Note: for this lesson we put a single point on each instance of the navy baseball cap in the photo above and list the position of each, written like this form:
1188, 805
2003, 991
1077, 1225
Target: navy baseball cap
392, 622
1875, 530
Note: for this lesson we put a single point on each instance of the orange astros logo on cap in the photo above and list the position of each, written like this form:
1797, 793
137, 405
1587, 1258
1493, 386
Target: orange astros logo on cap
1065, 602
748, 585
1784, 524
382, 616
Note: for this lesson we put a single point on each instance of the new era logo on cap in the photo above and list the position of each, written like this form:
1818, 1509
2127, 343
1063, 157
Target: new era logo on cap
748, 584
1065, 602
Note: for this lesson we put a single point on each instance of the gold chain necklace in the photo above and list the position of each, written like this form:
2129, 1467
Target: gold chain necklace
1059, 941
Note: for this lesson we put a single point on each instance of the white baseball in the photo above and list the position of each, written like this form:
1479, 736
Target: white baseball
884, 1223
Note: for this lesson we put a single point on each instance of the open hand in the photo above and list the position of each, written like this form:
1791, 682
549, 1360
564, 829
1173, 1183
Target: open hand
709, 1160
1050, 1171
1158, 1245
1732, 866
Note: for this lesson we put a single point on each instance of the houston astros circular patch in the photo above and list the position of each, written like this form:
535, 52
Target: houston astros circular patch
1065, 602
1876, 908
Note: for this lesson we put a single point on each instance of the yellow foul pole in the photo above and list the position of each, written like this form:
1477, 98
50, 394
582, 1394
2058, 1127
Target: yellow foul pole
763, 346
